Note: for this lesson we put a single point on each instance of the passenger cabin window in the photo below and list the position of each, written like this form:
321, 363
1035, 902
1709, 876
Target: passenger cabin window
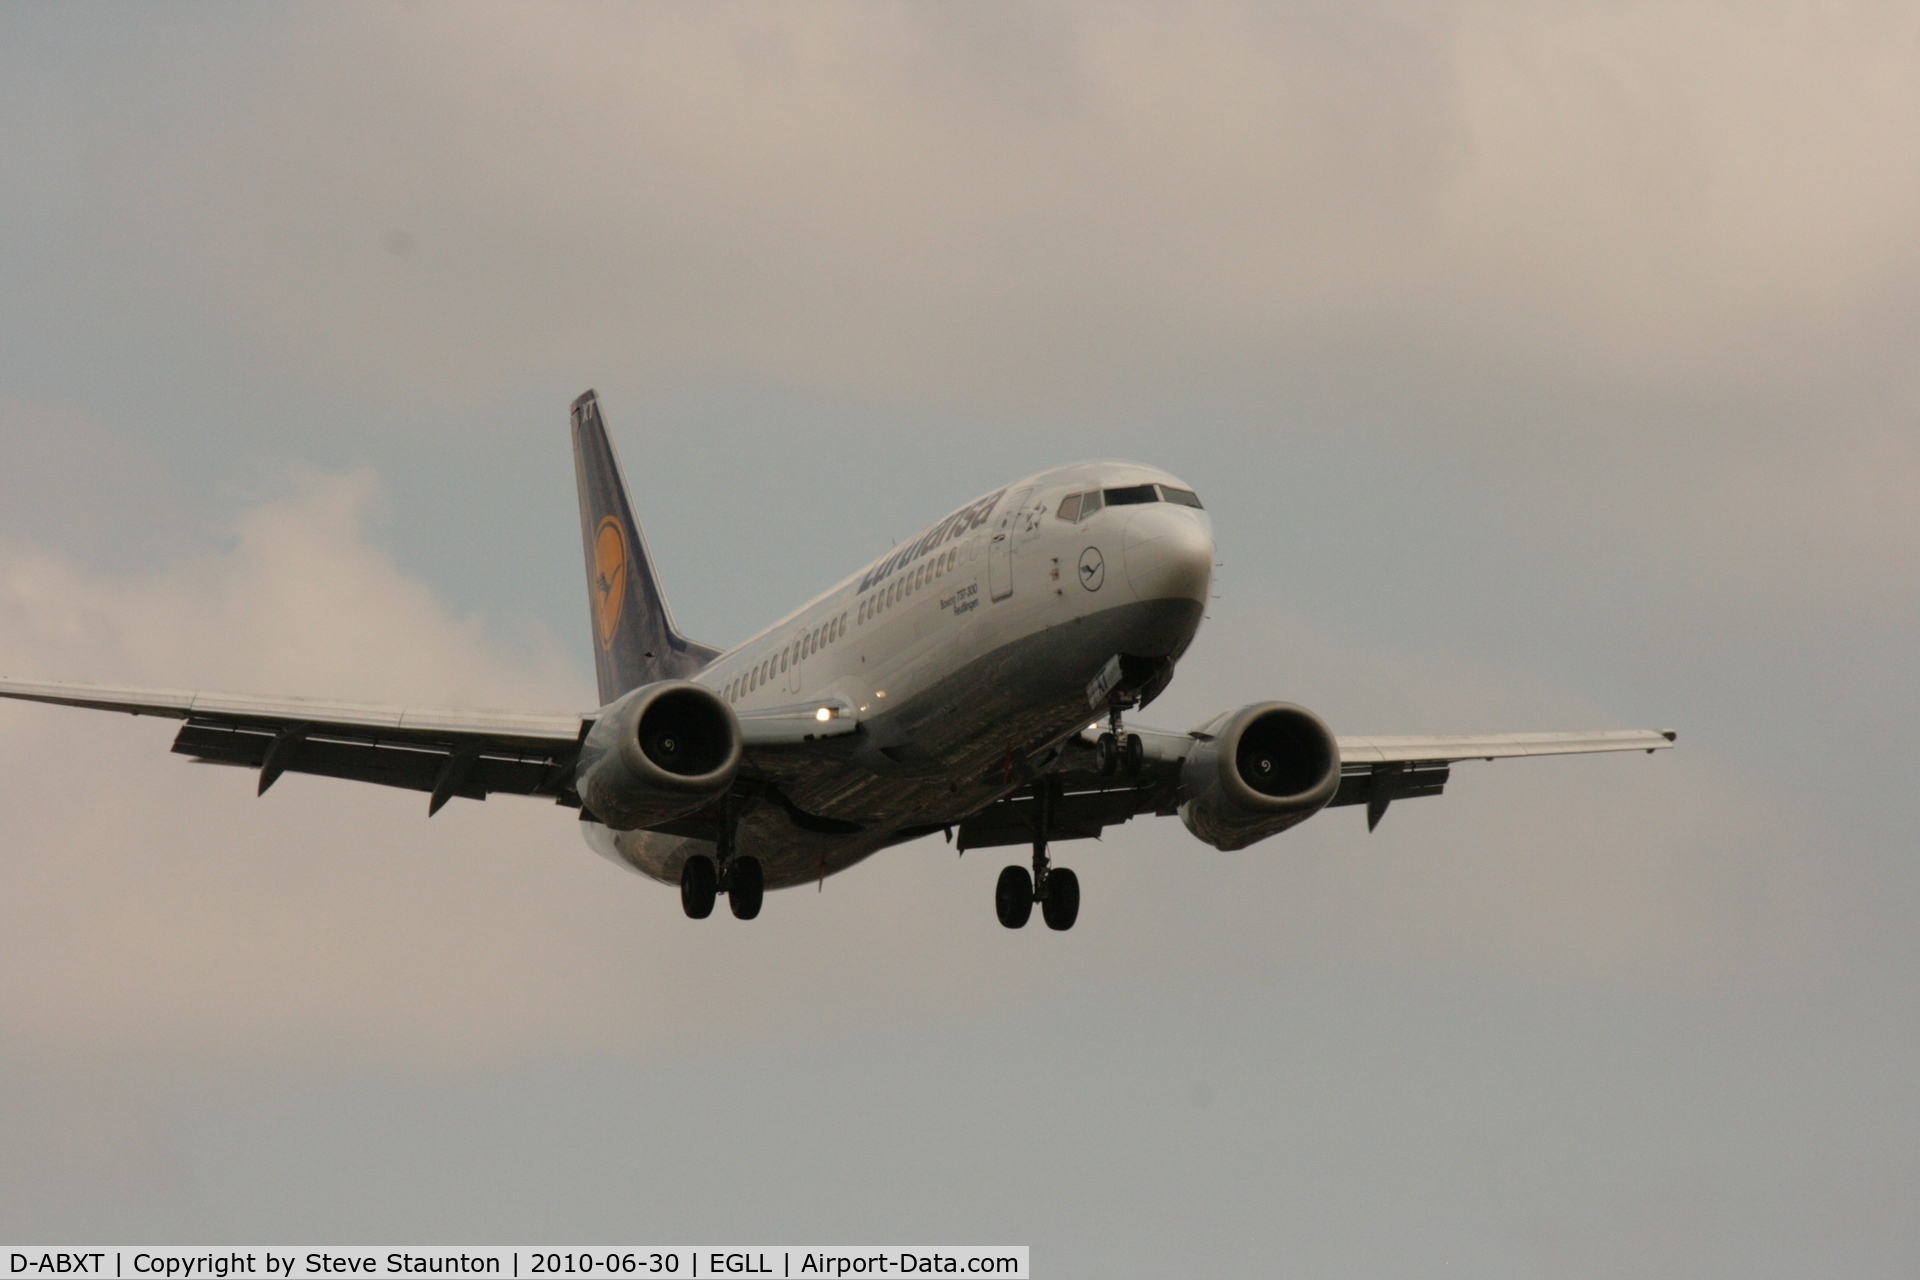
1132, 495
1069, 507
1180, 497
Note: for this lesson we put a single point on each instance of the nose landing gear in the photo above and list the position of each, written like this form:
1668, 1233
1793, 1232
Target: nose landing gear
1118, 750
1056, 889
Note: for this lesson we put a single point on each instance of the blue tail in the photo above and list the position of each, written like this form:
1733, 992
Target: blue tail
635, 641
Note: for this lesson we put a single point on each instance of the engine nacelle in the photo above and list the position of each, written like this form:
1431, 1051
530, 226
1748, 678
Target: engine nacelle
1264, 768
658, 753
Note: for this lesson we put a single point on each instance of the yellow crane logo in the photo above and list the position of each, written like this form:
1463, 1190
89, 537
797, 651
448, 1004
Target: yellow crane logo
609, 579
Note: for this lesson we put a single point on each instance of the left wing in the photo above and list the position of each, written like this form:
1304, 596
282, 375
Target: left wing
443, 752
1374, 771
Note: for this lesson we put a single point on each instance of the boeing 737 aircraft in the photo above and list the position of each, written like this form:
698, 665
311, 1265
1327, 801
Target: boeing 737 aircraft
973, 681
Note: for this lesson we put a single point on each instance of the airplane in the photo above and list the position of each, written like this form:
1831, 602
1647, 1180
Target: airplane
973, 681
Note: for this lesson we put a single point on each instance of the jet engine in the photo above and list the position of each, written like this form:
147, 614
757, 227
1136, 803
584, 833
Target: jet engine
1258, 771
658, 753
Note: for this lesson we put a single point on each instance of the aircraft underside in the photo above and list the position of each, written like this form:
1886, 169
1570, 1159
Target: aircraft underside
973, 736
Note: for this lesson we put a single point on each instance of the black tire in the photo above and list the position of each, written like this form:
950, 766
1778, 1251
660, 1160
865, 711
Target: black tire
746, 884
1062, 906
1136, 755
1107, 755
699, 885
1013, 897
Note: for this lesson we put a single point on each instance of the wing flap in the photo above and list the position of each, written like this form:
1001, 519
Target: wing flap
1075, 816
396, 764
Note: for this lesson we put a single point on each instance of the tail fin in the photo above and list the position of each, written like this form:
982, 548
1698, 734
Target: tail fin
635, 642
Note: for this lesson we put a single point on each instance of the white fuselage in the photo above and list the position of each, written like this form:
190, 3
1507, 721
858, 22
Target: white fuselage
962, 654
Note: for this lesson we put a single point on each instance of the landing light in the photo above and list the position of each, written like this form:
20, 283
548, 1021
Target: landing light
824, 714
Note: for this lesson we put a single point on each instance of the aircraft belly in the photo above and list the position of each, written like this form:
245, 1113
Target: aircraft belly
971, 729
788, 856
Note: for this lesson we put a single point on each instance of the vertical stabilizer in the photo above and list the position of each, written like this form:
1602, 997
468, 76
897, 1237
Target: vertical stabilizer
634, 639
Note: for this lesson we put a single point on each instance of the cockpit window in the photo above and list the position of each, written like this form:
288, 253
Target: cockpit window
1069, 507
1184, 497
1089, 503
1132, 494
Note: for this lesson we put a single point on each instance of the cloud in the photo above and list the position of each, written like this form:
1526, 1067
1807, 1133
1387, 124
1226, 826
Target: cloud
1008, 207
1646, 273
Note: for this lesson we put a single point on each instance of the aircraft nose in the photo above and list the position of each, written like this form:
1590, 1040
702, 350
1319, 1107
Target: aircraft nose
1169, 553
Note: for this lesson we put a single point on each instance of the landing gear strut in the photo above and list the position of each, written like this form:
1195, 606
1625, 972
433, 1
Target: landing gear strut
1056, 889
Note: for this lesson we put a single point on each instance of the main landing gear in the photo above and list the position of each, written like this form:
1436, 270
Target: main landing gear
1056, 889
701, 884
1118, 750
740, 876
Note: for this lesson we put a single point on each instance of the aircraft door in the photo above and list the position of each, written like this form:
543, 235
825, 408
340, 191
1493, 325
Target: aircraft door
1000, 549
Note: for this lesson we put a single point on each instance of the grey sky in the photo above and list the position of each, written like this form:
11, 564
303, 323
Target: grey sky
1545, 367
